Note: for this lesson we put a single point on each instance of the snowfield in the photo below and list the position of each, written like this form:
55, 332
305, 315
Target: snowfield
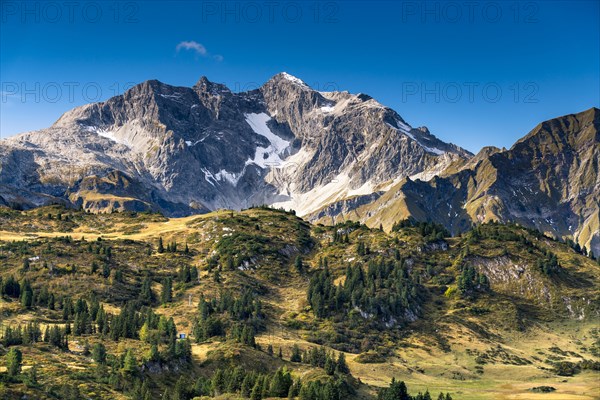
293, 79
266, 156
106, 134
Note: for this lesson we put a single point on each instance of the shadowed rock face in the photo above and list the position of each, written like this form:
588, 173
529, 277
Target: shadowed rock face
182, 150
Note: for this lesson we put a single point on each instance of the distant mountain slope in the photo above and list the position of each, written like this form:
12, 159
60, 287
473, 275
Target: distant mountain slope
548, 180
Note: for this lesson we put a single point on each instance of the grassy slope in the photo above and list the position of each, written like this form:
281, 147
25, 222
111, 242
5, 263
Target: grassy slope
437, 353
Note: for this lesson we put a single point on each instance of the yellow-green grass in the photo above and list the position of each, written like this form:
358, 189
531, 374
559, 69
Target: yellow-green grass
417, 358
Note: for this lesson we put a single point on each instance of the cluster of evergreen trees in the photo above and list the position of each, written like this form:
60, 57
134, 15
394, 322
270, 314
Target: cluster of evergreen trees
254, 385
328, 390
384, 291
251, 385
187, 274
362, 249
429, 230
85, 317
31, 333
10, 287
125, 372
319, 357
171, 247
242, 315
23, 291
104, 255
342, 231
146, 295
398, 391
82, 312
549, 265
469, 282
145, 325
100, 248
495, 231
339, 236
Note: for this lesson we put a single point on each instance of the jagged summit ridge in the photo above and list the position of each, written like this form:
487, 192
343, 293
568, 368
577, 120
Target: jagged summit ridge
324, 154
205, 147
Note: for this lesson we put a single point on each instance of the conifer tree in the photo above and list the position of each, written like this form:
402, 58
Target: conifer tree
167, 291
14, 361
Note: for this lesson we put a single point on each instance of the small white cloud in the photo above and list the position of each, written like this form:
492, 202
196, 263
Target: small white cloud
192, 45
197, 48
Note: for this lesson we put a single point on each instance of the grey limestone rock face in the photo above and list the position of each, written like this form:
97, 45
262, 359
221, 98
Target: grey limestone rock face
185, 150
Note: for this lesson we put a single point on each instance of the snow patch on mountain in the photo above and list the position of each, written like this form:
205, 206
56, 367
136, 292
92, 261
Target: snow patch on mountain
433, 150
337, 189
171, 96
222, 176
230, 177
106, 134
208, 176
293, 79
367, 188
405, 129
269, 156
189, 143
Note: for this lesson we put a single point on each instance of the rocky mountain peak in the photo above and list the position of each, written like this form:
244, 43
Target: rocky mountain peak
424, 130
147, 89
205, 86
363, 97
287, 79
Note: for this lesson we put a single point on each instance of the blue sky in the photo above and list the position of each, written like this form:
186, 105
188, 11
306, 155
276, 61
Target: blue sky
476, 73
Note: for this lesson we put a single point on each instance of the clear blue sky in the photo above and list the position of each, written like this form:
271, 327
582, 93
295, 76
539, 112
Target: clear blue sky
439, 64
